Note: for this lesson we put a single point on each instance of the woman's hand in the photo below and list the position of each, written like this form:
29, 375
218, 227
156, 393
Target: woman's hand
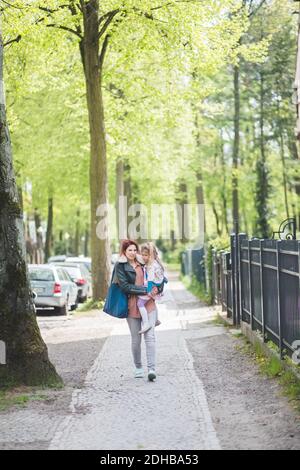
153, 292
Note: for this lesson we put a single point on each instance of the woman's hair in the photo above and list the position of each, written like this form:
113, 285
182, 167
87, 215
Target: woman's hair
152, 251
125, 244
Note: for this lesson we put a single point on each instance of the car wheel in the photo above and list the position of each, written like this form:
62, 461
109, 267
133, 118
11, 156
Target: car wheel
74, 307
63, 310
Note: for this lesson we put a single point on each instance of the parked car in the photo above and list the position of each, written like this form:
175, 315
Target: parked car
34, 296
53, 288
57, 258
86, 261
81, 276
114, 258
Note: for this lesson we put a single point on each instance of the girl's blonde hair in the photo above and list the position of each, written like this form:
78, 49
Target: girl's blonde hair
152, 251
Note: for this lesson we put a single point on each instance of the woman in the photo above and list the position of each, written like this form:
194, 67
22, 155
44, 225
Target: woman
129, 274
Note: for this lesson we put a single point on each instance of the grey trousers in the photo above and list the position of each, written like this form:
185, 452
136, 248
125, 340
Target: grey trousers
136, 340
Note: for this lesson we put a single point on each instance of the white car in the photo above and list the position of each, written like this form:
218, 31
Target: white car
53, 287
80, 275
82, 260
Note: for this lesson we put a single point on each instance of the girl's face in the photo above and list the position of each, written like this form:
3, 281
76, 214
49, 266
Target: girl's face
131, 252
145, 256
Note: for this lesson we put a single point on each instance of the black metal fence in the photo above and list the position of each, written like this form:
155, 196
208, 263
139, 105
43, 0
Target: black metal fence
192, 263
258, 282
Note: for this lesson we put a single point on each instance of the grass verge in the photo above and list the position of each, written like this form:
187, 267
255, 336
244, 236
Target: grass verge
173, 266
282, 370
196, 288
90, 305
19, 398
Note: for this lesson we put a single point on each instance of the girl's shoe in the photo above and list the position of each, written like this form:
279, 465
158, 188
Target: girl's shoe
157, 323
151, 375
139, 373
145, 328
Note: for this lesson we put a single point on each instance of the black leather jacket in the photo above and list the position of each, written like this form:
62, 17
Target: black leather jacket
125, 275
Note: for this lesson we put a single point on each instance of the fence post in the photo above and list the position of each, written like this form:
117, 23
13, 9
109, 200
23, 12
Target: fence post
222, 281
229, 287
235, 278
233, 285
298, 301
213, 275
219, 274
250, 284
2, 353
216, 278
241, 237
261, 271
278, 242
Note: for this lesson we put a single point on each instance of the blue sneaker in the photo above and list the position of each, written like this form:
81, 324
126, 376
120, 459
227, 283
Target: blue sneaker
139, 373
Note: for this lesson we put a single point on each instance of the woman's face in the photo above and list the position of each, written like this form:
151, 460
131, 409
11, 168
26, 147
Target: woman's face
145, 256
131, 252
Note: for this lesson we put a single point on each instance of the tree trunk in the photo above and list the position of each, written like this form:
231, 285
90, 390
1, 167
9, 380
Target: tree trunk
199, 176
236, 151
39, 238
119, 194
182, 201
219, 232
292, 145
200, 202
223, 189
130, 199
86, 241
48, 244
26, 354
262, 185
100, 250
77, 234
127, 184
284, 175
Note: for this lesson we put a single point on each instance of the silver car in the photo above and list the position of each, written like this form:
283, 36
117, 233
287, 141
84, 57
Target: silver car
53, 287
80, 260
87, 263
80, 275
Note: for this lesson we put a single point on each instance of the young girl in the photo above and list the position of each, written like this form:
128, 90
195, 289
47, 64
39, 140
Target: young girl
154, 279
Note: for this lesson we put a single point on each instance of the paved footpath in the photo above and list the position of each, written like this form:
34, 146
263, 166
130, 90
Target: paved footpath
116, 411
208, 393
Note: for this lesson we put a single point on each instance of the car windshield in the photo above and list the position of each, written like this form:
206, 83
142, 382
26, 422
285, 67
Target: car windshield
41, 275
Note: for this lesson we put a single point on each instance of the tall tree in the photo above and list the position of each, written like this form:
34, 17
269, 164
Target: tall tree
262, 183
49, 233
27, 359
